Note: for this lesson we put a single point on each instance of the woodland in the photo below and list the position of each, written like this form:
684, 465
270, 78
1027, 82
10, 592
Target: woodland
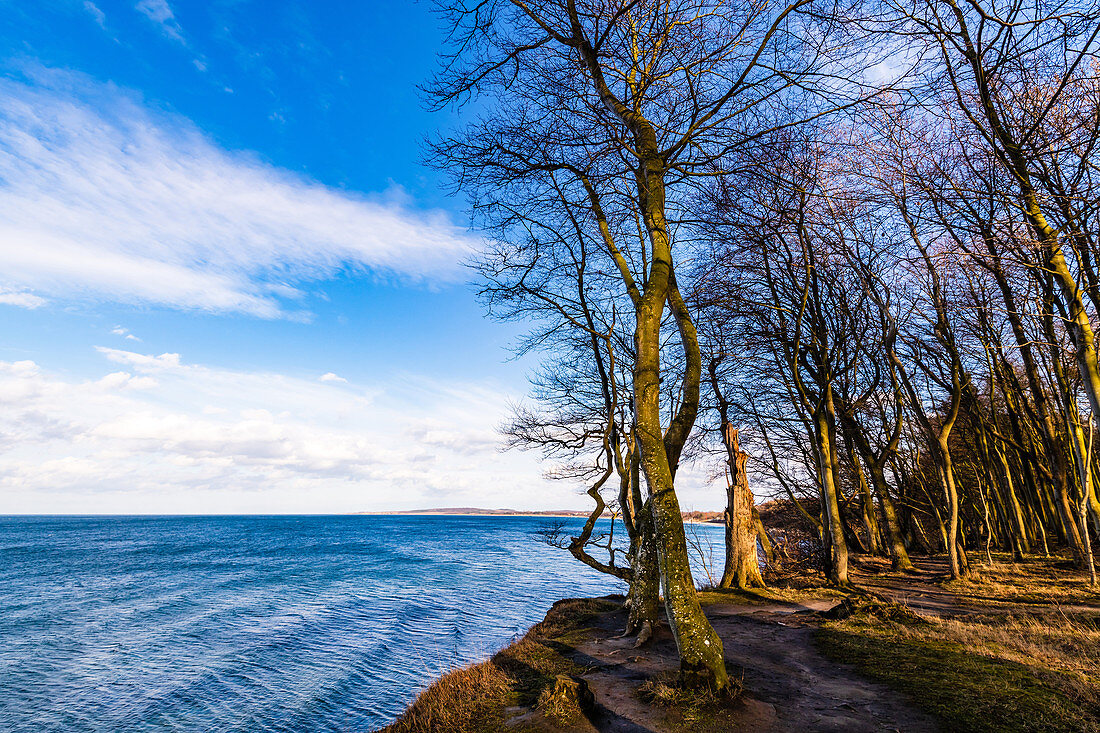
844, 254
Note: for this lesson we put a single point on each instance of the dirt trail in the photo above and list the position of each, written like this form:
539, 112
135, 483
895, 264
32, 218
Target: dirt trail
922, 592
919, 589
788, 685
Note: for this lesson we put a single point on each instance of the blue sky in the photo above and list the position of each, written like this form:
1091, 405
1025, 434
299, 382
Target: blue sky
324, 90
227, 284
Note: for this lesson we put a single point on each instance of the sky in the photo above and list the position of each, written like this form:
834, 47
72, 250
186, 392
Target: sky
228, 284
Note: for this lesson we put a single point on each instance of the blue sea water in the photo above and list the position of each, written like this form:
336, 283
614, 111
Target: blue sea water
288, 623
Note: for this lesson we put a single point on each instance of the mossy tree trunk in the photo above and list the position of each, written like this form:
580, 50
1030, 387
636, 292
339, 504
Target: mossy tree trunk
699, 647
644, 595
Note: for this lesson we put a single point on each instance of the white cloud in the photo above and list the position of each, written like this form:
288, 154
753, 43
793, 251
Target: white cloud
124, 333
142, 362
166, 435
160, 12
21, 298
330, 377
114, 380
102, 198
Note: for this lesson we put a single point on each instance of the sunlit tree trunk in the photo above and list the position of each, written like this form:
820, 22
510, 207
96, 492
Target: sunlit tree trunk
742, 568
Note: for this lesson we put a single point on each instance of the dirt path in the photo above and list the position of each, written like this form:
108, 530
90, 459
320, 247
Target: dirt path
788, 685
920, 589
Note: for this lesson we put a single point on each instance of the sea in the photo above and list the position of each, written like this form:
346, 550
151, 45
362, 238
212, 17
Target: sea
267, 623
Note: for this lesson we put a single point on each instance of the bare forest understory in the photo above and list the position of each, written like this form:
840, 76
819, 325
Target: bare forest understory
1014, 648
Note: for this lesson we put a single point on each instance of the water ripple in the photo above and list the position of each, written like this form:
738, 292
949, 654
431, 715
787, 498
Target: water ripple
258, 623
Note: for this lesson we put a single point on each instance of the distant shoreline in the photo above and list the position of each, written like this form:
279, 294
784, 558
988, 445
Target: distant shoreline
560, 514
690, 517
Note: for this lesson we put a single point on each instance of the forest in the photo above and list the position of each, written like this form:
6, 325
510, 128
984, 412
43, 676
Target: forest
844, 254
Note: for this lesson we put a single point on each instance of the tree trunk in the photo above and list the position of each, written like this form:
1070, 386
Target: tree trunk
742, 561
644, 596
882, 489
867, 505
699, 647
833, 534
955, 554
765, 541
1023, 543
893, 527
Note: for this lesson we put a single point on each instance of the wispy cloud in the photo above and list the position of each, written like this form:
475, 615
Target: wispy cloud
144, 362
97, 14
331, 377
124, 333
155, 431
103, 198
160, 12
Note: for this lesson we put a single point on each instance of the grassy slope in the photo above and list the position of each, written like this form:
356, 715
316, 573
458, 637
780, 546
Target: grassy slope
497, 695
971, 688
1029, 667
476, 699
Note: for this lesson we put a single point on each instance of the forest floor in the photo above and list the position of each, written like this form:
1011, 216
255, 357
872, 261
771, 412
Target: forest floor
1015, 649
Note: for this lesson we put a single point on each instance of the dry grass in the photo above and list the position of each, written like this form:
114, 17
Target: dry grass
1038, 581
467, 699
476, 699
991, 673
661, 691
697, 711
1069, 646
561, 709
